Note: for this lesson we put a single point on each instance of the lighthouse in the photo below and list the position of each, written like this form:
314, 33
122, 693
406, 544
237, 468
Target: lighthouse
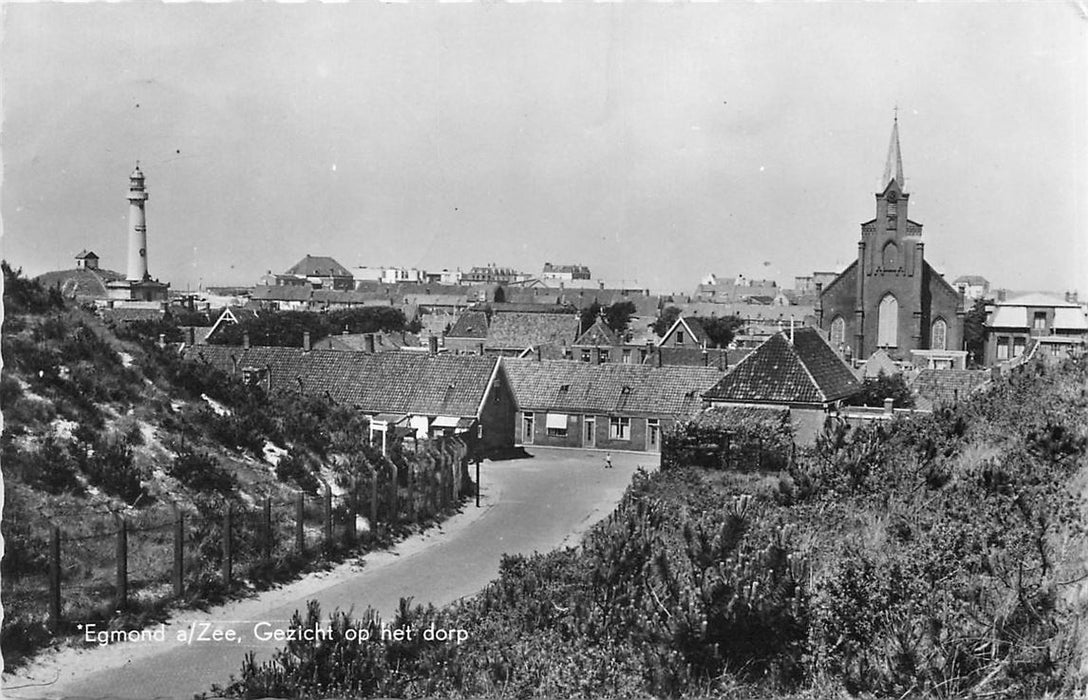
137, 227
138, 288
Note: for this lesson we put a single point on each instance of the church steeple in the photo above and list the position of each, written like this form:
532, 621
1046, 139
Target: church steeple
893, 167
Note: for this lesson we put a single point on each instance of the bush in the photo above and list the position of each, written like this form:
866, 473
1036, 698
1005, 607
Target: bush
294, 468
201, 472
109, 465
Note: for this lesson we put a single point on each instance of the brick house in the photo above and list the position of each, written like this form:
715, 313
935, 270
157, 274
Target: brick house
685, 332
611, 406
795, 370
420, 393
890, 297
1058, 326
510, 333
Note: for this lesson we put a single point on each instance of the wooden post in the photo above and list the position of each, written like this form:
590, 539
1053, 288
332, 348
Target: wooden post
328, 518
122, 563
228, 544
54, 578
477, 482
393, 486
300, 515
179, 551
268, 535
352, 509
374, 503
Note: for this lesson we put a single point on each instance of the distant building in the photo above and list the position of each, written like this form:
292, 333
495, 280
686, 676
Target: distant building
492, 274
890, 297
685, 332
565, 272
972, 287
86, 282
1013, 326
319, 272
734, 289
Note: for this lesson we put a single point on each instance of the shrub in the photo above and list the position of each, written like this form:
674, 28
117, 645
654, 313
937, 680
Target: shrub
296, 469
201, 472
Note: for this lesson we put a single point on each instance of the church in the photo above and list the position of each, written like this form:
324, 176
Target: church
890, 298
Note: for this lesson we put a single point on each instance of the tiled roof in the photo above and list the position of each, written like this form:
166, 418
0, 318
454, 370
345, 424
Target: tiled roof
610, 388
1037, 299
318, 266
695, 357
282, 293
383, 342
728, 416
520, 330
84, 254
470, 324
344, 296
598, 334
388, 382
945, 386
806, 371
531, 308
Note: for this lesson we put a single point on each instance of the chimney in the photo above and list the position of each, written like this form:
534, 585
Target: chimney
539, 354
706, 357
481, 348
192, 336
245, 341
368, 339
433, 344
888, 406
660, 361
306, 341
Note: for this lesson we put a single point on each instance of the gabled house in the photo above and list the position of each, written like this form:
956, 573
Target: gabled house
1058, 326
611, 406
428, 395
230, 316
795, 369
685, 332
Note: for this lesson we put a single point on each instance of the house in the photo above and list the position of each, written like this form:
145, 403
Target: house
972, 287
319, 271
425, 394
282, 297
890, 297
933, 388
610, 406
492, 274
1058, 326
511, 332
565, 272
370, 342
685, 332
469, 333
794, 369
734, 289
230, 316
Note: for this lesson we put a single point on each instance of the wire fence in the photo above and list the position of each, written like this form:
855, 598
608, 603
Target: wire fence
87, 564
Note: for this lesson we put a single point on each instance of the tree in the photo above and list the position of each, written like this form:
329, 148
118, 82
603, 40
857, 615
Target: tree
588, 316
618, 316
884, 386
720, 329
666, 319
974, 332
500, 295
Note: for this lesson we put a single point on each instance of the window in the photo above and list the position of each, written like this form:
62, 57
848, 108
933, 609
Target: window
585, 355
627, 356
556, 423
938, 338
1002, 348
888, 322
602, 355
1038, 321
890, 258
619, 428
527, 424
1018, 345
679, 337
838, 331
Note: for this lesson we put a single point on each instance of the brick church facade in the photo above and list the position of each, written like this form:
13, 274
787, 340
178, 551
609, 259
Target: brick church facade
890, 297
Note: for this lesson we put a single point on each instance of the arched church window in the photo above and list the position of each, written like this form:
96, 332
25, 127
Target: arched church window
938, 338
838, 331
890, 257
888, 322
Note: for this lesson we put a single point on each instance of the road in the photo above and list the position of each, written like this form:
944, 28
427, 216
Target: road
529, 505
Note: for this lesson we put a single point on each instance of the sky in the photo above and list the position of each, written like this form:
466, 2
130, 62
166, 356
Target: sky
653, 142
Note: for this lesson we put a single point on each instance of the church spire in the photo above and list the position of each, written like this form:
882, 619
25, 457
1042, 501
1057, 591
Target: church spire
893, 168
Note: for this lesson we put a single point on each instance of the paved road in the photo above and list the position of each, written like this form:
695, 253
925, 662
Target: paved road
529, 505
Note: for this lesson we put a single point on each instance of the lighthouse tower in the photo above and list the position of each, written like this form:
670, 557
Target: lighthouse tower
137, 285
137, 227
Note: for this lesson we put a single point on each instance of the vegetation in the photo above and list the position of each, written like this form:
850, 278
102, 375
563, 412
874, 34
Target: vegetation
875, 390
720, 329
929, 557
287, 328
974, 333
665, 320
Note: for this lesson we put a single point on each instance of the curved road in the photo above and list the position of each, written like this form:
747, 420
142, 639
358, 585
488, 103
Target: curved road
528, 505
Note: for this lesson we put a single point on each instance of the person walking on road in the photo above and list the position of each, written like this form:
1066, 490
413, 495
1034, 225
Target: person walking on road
608, 460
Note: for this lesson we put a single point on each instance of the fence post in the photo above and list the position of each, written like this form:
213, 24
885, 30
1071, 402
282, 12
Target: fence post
300, 515
268, 536
54, 578
374, 503
122, 562
179, 551
352, 508
328, 518
393, 487
228, 544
